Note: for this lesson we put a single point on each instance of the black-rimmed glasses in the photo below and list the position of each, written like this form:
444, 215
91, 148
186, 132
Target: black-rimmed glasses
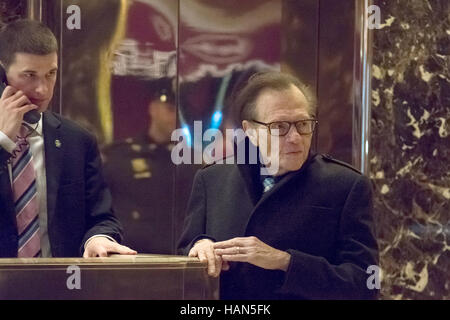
304, 127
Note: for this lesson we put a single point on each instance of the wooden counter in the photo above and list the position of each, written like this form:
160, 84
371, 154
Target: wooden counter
159, 277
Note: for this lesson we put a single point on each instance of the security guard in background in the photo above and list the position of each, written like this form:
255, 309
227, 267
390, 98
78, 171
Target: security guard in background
149, 191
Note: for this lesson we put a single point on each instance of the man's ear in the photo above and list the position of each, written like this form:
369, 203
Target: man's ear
250, 131
2, 73
2, 65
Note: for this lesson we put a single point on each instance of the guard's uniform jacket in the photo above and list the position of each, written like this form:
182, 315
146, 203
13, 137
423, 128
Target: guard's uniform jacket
149, 193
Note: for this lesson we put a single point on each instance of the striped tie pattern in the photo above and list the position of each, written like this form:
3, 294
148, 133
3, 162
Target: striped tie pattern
25, 198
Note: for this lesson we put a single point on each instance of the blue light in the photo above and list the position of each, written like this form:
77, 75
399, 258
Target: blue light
187, 134
216, 119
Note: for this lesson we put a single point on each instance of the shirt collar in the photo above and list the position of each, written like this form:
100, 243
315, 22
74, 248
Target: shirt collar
275, 178
36, 128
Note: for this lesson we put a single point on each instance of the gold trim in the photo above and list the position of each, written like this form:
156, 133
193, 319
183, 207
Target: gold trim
104, 77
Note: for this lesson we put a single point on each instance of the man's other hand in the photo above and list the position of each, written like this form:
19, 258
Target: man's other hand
204, 250
102, 246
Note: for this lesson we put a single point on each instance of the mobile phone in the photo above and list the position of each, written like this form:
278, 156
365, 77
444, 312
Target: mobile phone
32, 116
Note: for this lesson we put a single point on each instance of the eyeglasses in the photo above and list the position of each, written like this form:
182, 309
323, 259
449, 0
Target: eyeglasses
304, 127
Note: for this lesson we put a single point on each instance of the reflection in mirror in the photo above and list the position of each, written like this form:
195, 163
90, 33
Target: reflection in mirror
138, 166
122, 66
136, 66
85, 59
220, 45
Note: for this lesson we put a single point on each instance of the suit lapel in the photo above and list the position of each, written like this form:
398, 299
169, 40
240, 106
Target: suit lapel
8, 227
53, 159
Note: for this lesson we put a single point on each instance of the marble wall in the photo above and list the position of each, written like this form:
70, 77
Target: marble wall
410, 147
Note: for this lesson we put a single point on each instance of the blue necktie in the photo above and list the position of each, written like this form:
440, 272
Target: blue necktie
268, 183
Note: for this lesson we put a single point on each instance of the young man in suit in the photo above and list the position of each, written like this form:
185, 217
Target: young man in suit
306, 232
53, 198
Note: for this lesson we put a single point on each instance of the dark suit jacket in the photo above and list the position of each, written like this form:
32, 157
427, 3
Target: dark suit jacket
78, 200
321, 215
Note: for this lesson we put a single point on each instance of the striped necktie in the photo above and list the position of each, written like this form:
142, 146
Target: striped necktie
25, 198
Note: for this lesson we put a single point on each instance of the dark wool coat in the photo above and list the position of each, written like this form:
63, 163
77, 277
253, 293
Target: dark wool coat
320, 214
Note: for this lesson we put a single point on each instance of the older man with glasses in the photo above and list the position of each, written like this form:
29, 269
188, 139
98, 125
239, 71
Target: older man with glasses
305, 232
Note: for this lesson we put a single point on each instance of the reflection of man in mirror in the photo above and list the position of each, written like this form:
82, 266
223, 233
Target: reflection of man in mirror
162, 113
141, 176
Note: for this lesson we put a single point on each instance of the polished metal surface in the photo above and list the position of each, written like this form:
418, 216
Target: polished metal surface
300, 45
34, 9
362, 87
85, 61
335, 78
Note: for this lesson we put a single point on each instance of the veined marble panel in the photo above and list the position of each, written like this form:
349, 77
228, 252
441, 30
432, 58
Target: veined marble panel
410, 147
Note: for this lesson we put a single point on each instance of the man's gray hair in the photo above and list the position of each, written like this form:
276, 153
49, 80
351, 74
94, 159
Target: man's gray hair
245, 99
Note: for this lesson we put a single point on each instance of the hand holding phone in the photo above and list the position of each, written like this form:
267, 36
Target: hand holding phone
9, 122
32, 116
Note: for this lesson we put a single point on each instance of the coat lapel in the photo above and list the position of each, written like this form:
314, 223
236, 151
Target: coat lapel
280, 184
53, 159
251, 176
250, 173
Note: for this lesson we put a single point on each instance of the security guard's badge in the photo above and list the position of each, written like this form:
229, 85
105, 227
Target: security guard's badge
140, 168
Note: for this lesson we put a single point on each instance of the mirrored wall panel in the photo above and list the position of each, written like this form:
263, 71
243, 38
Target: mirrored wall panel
133, 71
